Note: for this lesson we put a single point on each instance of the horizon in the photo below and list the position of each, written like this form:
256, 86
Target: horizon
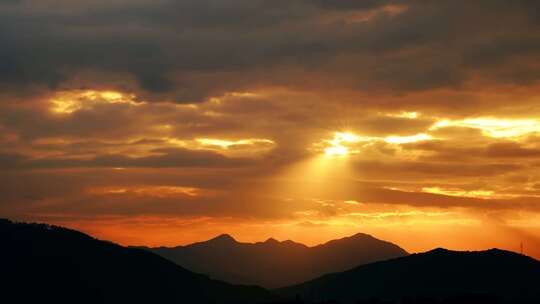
221, 272
234, 239
163, 123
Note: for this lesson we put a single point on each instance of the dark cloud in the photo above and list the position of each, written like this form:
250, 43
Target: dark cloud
511, 150
406, 170
351, 4
165, 158
183, 50
239, 99
374, 195
457, 151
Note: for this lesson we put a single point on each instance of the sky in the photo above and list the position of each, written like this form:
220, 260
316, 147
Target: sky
162, 122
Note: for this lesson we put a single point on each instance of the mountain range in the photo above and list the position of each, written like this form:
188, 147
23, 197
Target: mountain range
47, 264
444, 276
273, 264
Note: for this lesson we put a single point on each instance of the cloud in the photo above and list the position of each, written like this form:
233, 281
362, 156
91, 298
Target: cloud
188, 51
239, 99
164, 158
511, 150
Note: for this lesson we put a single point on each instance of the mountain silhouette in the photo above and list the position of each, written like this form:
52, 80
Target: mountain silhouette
273, 264
492, 276
47, 264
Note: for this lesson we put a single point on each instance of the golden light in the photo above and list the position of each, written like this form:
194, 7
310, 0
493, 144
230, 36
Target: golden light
343, 142
242, 147
220, 99
337, 147
493, 127
250, 147
67, 102
346, 137
407, 139
404, 114
226, 144
336, 151
459, 192
153, 191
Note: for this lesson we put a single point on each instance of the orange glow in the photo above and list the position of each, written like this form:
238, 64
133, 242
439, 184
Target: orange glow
226, 144
67, 102
494, 127
156, 191
459, 234
345, 143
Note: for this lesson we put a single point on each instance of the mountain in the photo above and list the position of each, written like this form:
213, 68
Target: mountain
47, 264
466, 277
273, 264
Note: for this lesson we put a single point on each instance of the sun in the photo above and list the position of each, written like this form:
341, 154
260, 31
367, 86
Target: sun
336, 151
336, 147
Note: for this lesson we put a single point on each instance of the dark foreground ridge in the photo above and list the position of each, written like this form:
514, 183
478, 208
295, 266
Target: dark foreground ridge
274, 264
48, 264
437, 276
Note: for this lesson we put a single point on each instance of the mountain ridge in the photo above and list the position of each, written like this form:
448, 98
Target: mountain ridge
274, 263
48, 263
436, 274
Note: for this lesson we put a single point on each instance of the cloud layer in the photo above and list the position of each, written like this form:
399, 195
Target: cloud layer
310, 116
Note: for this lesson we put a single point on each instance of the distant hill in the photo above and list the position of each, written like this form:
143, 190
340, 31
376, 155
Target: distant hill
440, 275
273, 264
47, 264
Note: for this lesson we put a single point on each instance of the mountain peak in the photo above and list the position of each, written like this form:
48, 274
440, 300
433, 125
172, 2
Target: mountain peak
271, 241
362, 236
439, 250
278, 263
494, 273
350, 239
225, 238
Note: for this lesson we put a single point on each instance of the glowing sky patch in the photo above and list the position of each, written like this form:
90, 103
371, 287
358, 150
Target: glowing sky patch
338, 144
153, 191
345, 143
336, 151
226, 144
234, 148
67, 102
407, 139
459, 192
493, 127
404, 114
319, 105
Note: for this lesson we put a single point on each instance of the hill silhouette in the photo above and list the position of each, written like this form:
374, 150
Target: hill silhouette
273, 264
437, 276
47, 264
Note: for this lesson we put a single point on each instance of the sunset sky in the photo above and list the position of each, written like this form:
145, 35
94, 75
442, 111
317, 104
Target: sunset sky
163, 122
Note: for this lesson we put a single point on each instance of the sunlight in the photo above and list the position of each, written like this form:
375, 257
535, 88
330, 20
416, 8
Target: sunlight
345, 143
336, 151
404, 114
492, 127
226, 144
459, 192
67, 102
407, 139
152, 191
337, 148
318, 176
